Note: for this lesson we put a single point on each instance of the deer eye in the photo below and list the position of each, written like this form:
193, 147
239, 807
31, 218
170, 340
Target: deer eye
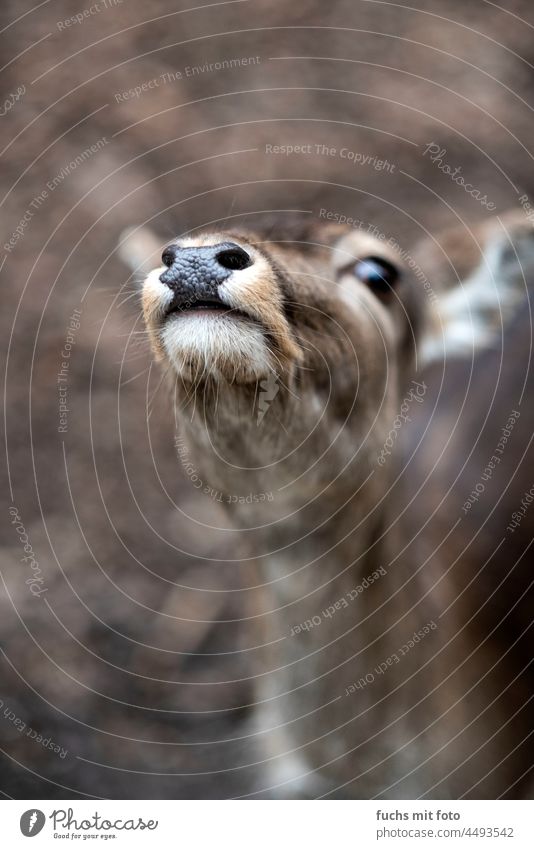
378, 274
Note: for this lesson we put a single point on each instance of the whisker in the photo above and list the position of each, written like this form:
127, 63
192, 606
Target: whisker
131, 379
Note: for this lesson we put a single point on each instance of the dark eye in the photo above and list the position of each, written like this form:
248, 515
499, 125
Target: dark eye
379, 274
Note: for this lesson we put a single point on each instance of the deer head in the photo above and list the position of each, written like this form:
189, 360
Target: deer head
287, 355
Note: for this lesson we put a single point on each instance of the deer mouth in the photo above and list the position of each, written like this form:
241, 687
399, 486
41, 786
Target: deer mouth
211, 338
207, 307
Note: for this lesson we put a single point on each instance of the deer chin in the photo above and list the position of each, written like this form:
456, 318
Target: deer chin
223, 346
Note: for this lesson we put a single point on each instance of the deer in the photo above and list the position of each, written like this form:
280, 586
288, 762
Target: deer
304, 358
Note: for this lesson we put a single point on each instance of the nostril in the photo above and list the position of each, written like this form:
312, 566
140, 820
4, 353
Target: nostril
234, 258
169, 255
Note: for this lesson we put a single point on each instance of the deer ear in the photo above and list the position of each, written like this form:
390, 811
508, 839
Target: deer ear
140, 249
471, 316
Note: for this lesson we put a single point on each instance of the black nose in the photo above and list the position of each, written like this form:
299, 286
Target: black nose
196, 273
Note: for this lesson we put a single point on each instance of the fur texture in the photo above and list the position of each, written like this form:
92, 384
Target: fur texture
353, 704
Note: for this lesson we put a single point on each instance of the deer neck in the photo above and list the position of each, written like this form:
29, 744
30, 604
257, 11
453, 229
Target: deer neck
326, 542
314, 510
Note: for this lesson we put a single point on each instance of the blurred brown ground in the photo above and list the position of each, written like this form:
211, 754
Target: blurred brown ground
121, 666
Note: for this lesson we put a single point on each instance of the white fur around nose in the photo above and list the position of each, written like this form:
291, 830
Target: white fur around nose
226, 347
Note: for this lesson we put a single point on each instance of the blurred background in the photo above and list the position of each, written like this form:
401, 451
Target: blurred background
129, 653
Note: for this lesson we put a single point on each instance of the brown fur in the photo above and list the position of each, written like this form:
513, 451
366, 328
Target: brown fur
420, 727
144, 174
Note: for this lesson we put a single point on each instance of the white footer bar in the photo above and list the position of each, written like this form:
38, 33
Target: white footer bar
267, 825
